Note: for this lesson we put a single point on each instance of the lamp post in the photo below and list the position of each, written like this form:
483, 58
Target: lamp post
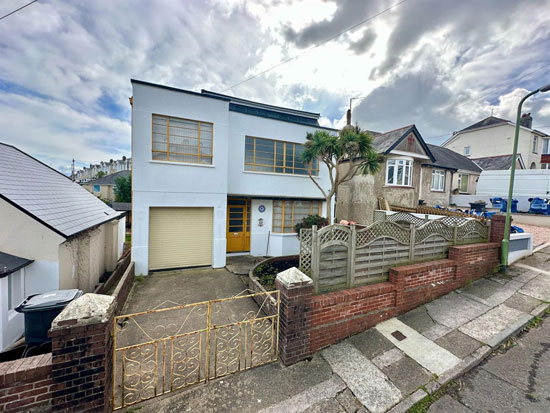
506, 241
349, 110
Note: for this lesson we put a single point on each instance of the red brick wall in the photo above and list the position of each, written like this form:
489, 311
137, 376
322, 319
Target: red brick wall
26, 383
332, 317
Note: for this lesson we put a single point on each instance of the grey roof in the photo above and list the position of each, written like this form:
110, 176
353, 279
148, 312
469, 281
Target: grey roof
10, 263
385, 142
496, 163
446, 158
47, 195
109, 179
490, 121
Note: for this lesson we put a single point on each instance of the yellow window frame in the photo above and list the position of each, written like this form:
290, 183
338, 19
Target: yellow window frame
167, 134
289, 203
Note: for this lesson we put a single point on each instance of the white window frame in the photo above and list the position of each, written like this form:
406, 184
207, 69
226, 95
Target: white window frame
460, 178
438, 180
466, 151
535, 143
399, 163
16, 281
546, 146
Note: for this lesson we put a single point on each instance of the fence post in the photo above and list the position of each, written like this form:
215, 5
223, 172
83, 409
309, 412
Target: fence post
455, 234
412, 242
352, 247
315, 258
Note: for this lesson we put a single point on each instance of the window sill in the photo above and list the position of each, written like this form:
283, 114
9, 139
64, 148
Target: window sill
200, 165
284, 234
279, 174
399, 186
437, 190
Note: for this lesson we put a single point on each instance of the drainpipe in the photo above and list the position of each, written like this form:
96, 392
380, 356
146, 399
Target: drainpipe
420, 185
451, 188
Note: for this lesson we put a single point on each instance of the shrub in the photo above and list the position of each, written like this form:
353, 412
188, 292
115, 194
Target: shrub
310, 221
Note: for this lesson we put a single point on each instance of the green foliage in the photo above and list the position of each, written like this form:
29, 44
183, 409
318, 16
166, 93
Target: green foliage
309, 221
100, 174
123, 189
267, 272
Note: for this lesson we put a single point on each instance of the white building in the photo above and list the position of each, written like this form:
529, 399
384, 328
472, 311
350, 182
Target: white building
491, 140
62, 236
213, 174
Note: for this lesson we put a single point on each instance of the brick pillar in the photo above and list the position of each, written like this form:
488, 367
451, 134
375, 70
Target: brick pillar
498, 222
296, 290
82, 355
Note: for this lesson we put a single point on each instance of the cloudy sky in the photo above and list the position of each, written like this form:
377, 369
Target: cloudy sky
65, 65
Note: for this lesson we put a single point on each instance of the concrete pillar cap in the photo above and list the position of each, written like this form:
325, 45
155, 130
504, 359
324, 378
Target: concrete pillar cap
88, 309
293, 278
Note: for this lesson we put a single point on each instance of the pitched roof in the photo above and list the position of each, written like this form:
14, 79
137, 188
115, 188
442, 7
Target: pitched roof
386, 142
47, 195
109, 179
489, 121
496, 163
10, 263
446, 158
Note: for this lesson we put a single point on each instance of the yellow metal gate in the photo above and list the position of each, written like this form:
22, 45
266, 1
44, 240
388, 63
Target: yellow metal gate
166, 349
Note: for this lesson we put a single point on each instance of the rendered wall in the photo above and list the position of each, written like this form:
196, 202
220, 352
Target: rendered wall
430, 196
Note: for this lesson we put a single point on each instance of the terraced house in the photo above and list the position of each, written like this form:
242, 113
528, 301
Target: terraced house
215, 174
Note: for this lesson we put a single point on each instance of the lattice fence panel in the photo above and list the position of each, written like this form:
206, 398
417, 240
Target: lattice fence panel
435, 227
472, 231
406, 218
374, 260
334, 233
383, 229
306, 238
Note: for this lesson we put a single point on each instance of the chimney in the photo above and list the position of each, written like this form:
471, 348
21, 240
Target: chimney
526, 120
348, 117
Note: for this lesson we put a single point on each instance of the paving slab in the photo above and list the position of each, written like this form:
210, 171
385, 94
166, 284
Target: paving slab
437, 331
524, 275
484, 392
522, 302
364, 379
325, 406
419, 319
492, 323
460, 344
540, 261
371, 343
310, 397
407, 375
349, 402
425, 352
388, 358
482, 288
444, 310
538, 287
447, 404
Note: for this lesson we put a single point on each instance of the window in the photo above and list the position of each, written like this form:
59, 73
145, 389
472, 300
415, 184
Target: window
182, 140
535, 143
546, 146
438, 180
15, 289
399, 172
545, 166
267, 155
466, 151
463, 183
97, 188
287, 213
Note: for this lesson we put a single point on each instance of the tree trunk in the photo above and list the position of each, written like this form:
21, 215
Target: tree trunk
329, 209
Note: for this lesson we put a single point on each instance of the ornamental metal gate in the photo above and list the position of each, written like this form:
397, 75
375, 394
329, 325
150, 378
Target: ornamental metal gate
166, 349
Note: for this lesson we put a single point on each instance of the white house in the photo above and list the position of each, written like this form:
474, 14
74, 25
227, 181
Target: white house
491, 141
63, 236
214, 174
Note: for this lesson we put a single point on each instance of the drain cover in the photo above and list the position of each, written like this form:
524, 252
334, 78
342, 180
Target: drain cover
399, 335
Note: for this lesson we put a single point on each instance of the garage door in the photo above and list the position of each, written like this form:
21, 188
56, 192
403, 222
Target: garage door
180, 237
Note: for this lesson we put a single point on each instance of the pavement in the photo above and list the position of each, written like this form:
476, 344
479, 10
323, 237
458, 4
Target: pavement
401, 361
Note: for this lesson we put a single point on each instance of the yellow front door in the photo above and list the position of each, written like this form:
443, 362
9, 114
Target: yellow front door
238, 225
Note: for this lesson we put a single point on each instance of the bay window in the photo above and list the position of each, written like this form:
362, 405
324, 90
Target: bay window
399, 172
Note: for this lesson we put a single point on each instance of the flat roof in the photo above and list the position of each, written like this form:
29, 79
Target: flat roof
10, 263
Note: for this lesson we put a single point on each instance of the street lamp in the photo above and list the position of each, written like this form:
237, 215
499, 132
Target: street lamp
506, 241
349, 110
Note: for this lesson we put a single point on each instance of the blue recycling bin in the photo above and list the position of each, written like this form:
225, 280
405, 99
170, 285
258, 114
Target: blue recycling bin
539, 206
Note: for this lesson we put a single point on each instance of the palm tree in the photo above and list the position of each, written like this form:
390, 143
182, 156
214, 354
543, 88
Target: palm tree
345, 155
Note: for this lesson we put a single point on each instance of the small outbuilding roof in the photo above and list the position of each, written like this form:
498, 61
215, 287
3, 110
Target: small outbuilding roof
497, 163
109, 179
449, 159
47, 195
10, 263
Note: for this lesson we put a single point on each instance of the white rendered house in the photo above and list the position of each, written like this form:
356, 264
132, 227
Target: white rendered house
214, 174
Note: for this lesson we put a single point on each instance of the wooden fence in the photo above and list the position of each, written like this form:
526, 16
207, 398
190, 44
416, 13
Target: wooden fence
340, 256
423, 209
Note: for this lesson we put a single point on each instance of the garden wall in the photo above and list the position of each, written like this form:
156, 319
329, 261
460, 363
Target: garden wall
317, 321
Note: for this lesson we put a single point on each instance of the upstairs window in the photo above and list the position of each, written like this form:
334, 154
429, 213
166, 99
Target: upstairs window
438, 180
466, 151
546, 146
535, 143
399, 172
182, 140
267, 155
287, 213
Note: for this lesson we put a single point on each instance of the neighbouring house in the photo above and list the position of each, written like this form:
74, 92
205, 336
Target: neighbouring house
500, 162
104, 187
112, 166
53, 235
494, 136
451, 173
214, 174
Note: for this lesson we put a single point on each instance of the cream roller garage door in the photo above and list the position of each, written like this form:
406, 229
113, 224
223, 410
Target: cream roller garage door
180, 237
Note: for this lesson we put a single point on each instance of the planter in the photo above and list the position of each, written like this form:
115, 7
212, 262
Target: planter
269, 305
